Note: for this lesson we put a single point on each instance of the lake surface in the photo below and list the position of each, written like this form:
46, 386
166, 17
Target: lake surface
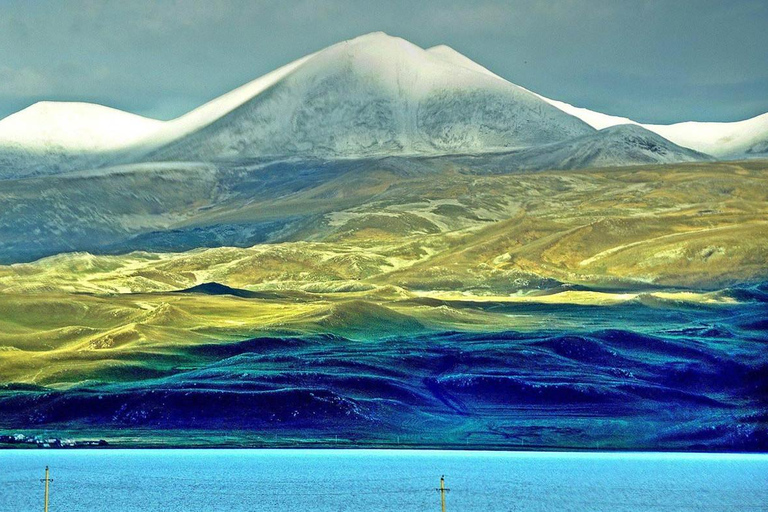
379, 480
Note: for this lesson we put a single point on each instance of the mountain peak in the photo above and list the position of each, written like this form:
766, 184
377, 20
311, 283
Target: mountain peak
64, 108
374, 38
383, 43
376, 49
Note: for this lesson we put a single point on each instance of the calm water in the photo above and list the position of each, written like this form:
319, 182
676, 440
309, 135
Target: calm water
378, 480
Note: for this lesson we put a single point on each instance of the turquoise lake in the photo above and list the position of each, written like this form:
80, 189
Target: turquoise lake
380, 480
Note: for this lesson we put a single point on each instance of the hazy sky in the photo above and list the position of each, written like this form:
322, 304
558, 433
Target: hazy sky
654, 61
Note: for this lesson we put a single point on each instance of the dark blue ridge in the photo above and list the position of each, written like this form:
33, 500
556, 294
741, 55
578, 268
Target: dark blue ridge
253, 345
583, 349
214, 288
665, 386
512, 390
188, 408
756, 292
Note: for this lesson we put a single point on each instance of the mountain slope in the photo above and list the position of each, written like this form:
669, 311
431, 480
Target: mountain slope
210, 112
623, 147
736, 139
610, 147
381, 201
373, 95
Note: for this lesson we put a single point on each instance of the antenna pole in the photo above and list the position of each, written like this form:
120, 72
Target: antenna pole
47, 480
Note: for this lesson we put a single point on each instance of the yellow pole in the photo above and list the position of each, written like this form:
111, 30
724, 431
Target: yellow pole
442, 493
46, 488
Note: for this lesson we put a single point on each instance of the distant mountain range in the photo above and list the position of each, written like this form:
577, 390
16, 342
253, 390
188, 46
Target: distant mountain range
372, 96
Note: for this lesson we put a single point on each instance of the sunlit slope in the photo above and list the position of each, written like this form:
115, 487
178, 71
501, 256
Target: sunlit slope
693, 225
59, 339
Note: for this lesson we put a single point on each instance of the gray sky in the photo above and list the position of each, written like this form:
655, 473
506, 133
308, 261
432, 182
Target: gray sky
654, 61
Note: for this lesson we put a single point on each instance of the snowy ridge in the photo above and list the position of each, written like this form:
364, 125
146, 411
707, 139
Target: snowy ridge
746, 137
596, 120
451, 56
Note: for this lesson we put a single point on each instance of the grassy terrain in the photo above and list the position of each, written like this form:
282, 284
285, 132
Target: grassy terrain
63, 339
451, 237
407, 255
692, 225
376, 264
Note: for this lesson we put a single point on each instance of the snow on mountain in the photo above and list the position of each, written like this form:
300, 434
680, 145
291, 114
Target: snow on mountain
372, 95
66, 135
74, 127
722, 140
741, 138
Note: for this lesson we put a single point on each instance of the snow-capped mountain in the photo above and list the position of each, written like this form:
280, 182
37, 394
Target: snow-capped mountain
722, 140
370, 96
52, 134
75, 126
373, 95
